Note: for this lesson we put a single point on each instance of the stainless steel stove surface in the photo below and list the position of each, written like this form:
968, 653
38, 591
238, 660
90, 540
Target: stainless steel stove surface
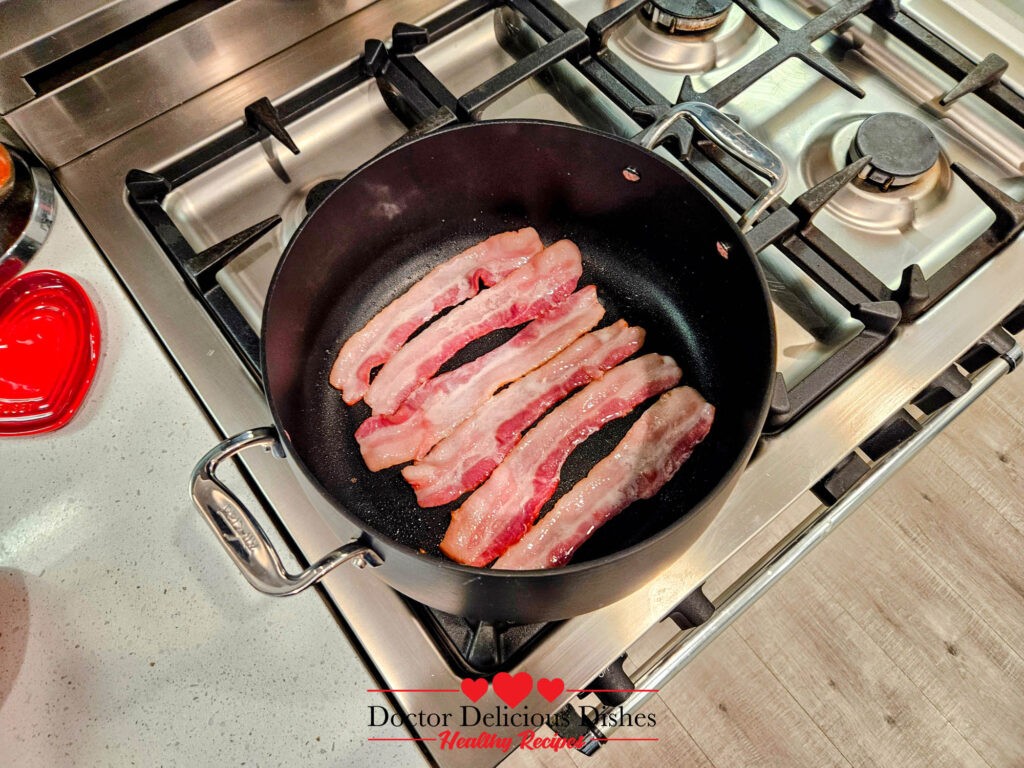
896, 250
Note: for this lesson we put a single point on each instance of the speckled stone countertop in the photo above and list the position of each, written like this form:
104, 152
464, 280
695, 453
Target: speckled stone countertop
127, 637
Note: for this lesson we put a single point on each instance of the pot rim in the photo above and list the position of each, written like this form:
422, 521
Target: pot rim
736, 466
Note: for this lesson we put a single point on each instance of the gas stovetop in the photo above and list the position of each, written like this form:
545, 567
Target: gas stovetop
895, 248
862, 246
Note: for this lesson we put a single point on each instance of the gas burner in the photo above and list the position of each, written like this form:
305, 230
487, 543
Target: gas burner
693, 51
686, 16
907, 179
902, 149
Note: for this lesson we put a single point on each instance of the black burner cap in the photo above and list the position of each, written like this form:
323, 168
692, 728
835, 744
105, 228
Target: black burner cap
901, 148
687, 15
693, 9
319, 193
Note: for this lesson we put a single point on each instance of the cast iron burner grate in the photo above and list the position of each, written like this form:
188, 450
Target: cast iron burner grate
417, 97
480, 648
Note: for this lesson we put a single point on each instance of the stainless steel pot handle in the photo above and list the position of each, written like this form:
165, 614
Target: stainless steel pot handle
734, 140
242, 536
682, 648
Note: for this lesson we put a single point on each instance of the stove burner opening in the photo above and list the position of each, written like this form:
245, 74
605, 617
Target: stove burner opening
688, 45
902, 149
682, 17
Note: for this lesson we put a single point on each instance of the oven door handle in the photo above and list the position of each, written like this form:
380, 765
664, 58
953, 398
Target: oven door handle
729, 136
244, 538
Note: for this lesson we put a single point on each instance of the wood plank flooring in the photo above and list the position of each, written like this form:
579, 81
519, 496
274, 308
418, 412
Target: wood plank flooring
898, 642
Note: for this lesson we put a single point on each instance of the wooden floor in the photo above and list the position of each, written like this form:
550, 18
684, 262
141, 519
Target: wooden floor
898, 642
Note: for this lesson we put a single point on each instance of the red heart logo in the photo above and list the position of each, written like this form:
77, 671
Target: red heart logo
49, 347
550, 689
512, 689
474, 689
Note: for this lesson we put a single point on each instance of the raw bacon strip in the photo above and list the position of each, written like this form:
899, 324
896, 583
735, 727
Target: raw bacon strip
529, 292
440, 405
462, 461
652, 451
501, 510
446, 285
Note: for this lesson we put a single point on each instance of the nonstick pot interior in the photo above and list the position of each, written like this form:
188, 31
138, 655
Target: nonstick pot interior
660, 253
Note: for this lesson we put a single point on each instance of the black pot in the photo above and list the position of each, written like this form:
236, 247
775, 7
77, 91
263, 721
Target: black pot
663, 255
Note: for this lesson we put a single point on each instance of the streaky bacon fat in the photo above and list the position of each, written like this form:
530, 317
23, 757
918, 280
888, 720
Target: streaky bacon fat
444, 286
526, 293
442, 403
466, 458
500, 511
650, 454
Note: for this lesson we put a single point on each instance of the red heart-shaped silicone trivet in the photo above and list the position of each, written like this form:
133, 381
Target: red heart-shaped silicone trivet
49, 347
512, 689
